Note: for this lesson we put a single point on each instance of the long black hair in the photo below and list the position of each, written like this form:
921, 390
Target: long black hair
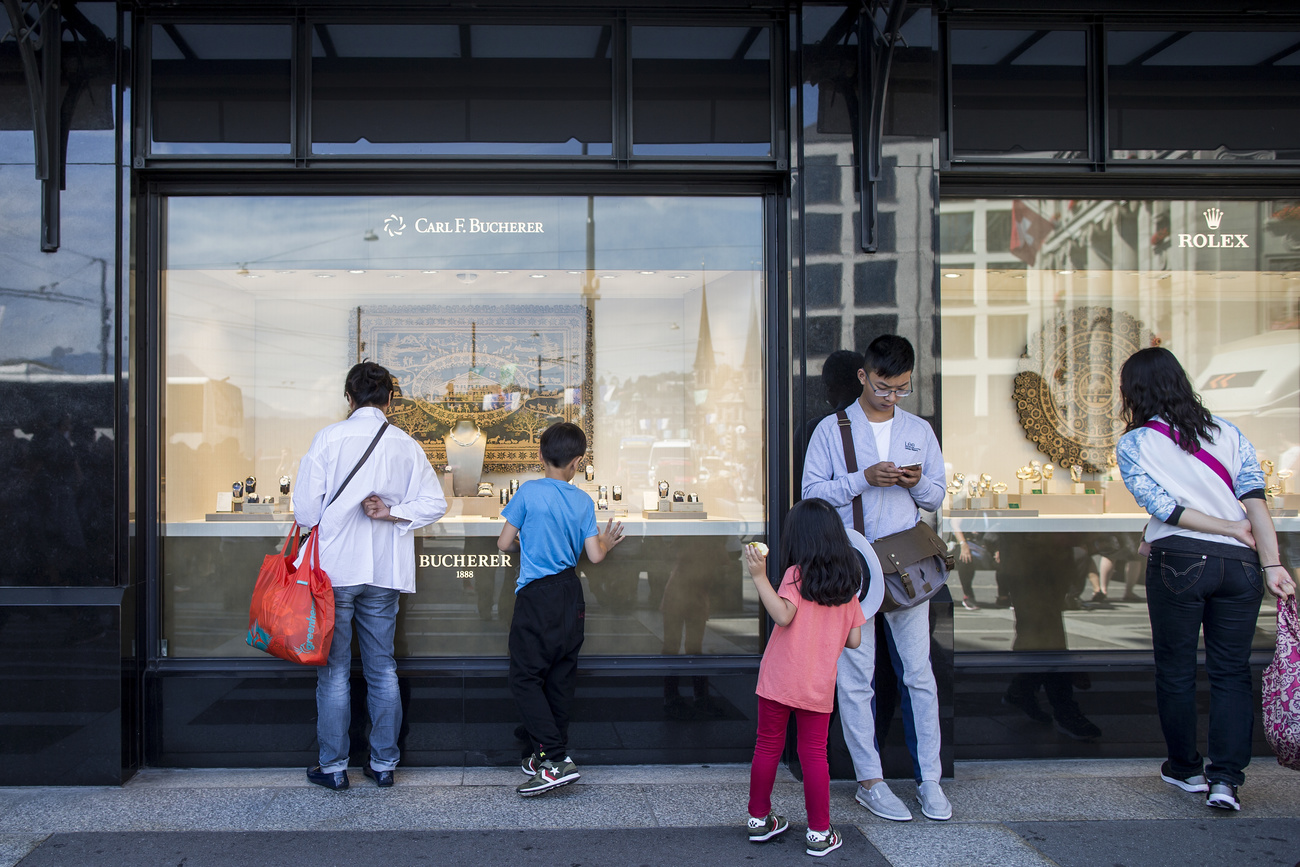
813, 539
1152, 383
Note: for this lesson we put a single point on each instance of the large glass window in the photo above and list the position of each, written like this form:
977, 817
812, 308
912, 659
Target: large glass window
1226, 95
1036, 323
703, 91
639, 318
1019, 93
221, 88
462, 89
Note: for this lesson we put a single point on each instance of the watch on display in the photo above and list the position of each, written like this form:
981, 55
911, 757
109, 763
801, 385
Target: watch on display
250, 485
692, 497
663, 490
618, 493
602, 504
237, 490
679, 497
284, 484
591, 472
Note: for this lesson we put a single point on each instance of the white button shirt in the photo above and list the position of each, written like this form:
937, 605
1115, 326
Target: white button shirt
355, 549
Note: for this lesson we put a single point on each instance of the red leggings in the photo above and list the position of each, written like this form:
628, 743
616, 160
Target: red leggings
811, 732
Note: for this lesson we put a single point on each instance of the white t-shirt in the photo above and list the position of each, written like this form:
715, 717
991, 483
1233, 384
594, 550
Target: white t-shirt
880, 430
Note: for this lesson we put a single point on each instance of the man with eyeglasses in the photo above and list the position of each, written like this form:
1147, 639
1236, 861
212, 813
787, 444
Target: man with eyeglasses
904, 472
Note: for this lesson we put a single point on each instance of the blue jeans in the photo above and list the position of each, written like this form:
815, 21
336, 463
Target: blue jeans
373, 611
1185, 593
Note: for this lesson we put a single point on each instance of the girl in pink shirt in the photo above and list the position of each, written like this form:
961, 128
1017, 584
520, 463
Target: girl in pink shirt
817, 615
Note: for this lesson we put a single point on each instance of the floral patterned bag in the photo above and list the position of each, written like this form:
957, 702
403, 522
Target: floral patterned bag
1282, 688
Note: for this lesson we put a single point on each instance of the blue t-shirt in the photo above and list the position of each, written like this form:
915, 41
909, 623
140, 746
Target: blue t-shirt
554, 519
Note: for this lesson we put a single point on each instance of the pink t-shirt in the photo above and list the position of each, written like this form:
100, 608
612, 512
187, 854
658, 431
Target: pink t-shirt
798, 667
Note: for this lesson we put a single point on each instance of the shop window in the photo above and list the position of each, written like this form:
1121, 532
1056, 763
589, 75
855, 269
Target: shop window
1019, 94
1034, 329
701, 91
956, 232
488, 314
1187, 95
997, 231
221, 88
462, 89
874, 283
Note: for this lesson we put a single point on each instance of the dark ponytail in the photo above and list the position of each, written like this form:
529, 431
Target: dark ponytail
1152, 383
813, 539
368, 384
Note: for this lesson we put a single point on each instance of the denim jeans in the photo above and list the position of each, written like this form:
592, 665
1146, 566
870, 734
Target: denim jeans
373, 612
1185, 593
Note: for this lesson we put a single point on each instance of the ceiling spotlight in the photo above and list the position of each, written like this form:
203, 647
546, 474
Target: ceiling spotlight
395, 276
673, 326
353, 271
608, 276
253, 276
575, 272
503, 272
284, 272
537, 276
646, 273
428, 272
681, 276
951, 274
467, 276
325, 276
1064, 272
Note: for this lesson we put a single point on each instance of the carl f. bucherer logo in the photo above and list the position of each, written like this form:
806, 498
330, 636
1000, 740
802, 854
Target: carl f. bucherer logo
1213, 219
394, 225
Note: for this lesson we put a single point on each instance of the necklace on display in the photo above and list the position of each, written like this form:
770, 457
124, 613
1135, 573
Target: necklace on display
477, 433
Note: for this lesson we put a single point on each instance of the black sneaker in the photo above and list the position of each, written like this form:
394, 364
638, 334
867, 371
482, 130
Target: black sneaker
1190, 783
1077, 726
1098, 598
1223, 796
1028, 705
336, 780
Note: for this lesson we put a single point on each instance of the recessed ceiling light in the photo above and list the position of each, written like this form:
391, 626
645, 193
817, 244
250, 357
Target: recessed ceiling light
325, 276
681, 276
395, 276
428, 272
647, 273
608, 276
284, 272
537, 276
1064, 272
503, 272
1017, 276
353, 271
575, 272
951, 275
253, 276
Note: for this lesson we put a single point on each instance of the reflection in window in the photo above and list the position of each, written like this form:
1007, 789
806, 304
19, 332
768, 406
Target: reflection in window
461, 89
1019, 93
1204, 95
493, 332
703, 91
1034, 333
221, 88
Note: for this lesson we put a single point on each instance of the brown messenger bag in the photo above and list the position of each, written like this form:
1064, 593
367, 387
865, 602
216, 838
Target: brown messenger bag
915, 561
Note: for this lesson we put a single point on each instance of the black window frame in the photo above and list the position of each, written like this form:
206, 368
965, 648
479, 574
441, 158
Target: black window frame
620, 21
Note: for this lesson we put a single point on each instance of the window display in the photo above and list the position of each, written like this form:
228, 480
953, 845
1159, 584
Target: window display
638, 319
1044, 320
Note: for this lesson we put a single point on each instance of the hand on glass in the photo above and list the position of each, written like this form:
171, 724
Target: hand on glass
376, 509
883, 475
612, 534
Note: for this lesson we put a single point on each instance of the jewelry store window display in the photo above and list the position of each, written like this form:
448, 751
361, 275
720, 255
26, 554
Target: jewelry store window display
904, 471
364, 486
1213, 549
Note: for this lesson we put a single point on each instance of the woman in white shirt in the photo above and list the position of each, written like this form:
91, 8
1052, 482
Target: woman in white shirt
1213, 550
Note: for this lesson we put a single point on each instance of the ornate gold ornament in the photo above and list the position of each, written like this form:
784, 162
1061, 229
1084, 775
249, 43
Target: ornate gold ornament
1067, 393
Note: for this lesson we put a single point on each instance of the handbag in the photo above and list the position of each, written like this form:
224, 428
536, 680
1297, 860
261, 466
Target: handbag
291, 615
292, 612
915, 561
1281, 688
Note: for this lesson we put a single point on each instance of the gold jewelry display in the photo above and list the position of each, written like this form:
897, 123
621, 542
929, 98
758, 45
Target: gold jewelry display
1000, 488
1267, 466
1076, 474
1048, 471
1068, 387
1025, 473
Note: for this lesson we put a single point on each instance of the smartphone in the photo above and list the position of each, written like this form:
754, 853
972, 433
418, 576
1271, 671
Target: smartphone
910, 466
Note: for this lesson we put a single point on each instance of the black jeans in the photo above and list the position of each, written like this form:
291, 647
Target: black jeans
546, 633
1188, 591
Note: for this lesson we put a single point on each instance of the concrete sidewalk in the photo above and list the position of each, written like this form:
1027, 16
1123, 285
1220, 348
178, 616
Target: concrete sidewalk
1066, 813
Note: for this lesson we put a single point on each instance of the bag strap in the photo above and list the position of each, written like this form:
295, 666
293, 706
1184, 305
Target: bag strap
374, 442
851, 464
1201, 454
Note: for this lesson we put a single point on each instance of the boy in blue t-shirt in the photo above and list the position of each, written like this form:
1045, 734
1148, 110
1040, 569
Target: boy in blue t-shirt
555, 522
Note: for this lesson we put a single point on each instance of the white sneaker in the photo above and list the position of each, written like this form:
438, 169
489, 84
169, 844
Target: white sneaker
884, 803
934, 804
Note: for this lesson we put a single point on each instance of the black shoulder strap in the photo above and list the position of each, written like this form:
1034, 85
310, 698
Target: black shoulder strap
851, 464
374, 442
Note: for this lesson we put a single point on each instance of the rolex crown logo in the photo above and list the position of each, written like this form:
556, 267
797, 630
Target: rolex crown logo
1213, 216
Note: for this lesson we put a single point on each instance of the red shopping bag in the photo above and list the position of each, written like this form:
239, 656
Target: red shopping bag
292, 612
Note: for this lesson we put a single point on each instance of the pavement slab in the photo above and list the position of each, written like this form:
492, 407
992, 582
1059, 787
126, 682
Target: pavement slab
15, 847
619, 847
930, 844
1216, 838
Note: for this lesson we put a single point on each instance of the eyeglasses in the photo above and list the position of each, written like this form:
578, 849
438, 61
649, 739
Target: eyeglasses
902, 391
